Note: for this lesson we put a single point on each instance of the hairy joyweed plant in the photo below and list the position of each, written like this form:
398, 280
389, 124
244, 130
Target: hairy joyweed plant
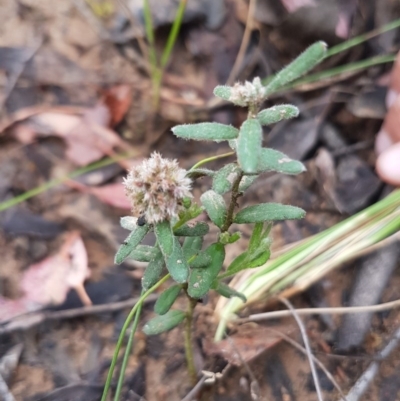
160, 192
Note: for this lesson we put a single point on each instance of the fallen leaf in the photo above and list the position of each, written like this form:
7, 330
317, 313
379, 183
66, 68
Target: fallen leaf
118, 99
86, 134
112, 194
249, 342
293, 5
48, 282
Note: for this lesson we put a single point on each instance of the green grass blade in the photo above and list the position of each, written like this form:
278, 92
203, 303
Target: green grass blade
176, 26
57, 181
362, 38
127, 354
347, 68
122, 334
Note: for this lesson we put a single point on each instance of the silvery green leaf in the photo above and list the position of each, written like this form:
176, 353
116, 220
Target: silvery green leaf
238, 264
166, 299
227, 238
200, 172
215, 207
143, 253
224, 178
223, 92
228, 292
191, 246
165, 237
197, 229
202, 260
128, 222
190, 214
233, 144
163, 323
249, 145
206, 132
258, 259
201, 279
153, 271
277, 113
268, 212
176, 263
272, 160
256, 236
298, 67
131, 242
246, 181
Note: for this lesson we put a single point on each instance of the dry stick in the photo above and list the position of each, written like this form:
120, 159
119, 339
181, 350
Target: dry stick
363, 382
307, 346
243, 45
319, 311
29, 320
194, 391
299, 347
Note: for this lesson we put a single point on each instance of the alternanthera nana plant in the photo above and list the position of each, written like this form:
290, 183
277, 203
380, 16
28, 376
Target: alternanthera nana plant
162, 202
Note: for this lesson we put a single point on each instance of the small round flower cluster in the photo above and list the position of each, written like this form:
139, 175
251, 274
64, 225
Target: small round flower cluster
156, 189
249, 92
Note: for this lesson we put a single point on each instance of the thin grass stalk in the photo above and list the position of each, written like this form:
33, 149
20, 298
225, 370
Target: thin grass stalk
57, 181
363, 229
326, 243
362, 38
149, 29
157, 68
176, 26
210, 159
343, 69
127, 353
122, 334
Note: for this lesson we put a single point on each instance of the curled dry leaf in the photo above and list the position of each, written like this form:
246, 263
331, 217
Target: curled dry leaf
118, 99
294, 5
48, 282
86, 134
112, 194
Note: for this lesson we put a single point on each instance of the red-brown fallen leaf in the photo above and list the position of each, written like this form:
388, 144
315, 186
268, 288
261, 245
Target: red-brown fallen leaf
113, 194
118, 99
86, 134
48, 282
293, 5
249, 342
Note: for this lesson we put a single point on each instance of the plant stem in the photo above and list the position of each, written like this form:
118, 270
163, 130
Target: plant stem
233, 203
123, 331
188, 340
127, 353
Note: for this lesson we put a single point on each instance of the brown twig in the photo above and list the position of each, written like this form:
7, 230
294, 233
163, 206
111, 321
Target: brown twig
29, 320
306, 345
364, 381
319, 311
244, 43
299, 347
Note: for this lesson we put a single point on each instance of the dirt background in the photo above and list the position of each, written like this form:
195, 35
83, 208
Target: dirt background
75, 90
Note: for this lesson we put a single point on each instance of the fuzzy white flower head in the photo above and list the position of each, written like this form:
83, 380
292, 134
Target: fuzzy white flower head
249, 92
156, 189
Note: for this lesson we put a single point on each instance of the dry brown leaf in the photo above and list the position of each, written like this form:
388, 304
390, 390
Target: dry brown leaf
86, 134
294, 5
249, 342
48, 282
118, 99
112, 194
